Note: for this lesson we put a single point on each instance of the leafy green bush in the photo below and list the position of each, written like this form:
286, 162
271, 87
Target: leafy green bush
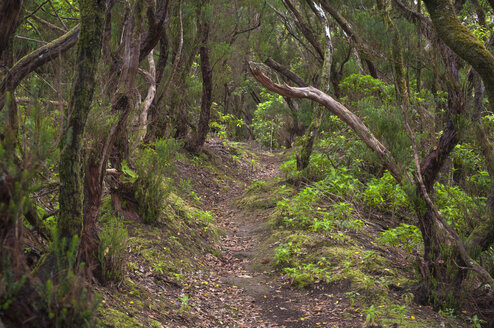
284, 254
406, 236
339, 181
457, 206
289, 169
112, 251
367, 86
10, 285
64, 298
151, 187
320, 168
225, 125
343, 147
267, 121
324, 224
385, 194
299, 211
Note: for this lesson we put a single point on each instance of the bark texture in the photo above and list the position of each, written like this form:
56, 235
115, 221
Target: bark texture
123, 101
462, 41
10, 10
207, 88
71, 165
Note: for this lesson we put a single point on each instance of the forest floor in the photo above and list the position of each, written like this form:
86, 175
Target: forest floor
241, 291
232, 282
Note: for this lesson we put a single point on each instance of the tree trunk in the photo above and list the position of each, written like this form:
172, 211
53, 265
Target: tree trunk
198, 140
303, 158
123, 101
468, 47
10, 10
71, 196
441, 280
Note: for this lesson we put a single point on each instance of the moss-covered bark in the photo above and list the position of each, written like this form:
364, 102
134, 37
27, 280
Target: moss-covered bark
10, 10
34, 60
71, 165
207, 89
462, 41
303, 159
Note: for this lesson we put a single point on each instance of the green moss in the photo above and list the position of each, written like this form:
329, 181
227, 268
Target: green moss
185, 231
302, 280
301, 239
264, 195
111, 318
134, 289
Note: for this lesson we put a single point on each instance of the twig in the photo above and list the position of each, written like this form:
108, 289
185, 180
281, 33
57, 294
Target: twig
30, 39
56, 13
36, 10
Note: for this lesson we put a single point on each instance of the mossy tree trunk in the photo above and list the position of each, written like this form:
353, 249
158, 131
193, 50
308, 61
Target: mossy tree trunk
70, 221
462, 41
123, 101
441, 280
303, 158
11, 195
197, 141
10, 10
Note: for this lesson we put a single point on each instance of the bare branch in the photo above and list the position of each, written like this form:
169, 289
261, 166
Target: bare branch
337, 109
48, 24
286, 72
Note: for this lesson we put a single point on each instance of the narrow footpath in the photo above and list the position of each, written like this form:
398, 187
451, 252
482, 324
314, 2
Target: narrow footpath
234, 291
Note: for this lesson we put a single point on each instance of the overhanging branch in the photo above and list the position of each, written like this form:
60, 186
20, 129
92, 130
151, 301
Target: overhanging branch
337, 109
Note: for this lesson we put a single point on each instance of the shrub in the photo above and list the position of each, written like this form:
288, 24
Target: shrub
63, 299
385, 194
457, 207
299, 211
151, 187
267, 121
406, 236
225, 125
112, 251
285, 254
340, 182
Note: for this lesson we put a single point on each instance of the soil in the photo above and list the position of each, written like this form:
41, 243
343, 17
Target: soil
234, 291
235, 285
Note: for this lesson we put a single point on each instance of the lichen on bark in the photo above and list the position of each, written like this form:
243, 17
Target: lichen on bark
71, 165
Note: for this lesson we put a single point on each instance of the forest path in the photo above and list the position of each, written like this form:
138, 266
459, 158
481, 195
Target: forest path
233, 292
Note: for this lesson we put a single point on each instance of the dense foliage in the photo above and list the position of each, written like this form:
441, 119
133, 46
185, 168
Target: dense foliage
391, 112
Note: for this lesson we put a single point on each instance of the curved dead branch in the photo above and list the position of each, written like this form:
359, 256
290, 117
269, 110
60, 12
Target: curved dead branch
337, 109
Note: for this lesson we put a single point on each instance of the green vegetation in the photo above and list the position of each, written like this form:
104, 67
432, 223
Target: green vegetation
158, 156
112, 251
151, 188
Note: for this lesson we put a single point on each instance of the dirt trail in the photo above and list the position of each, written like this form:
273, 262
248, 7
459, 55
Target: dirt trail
235, 294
